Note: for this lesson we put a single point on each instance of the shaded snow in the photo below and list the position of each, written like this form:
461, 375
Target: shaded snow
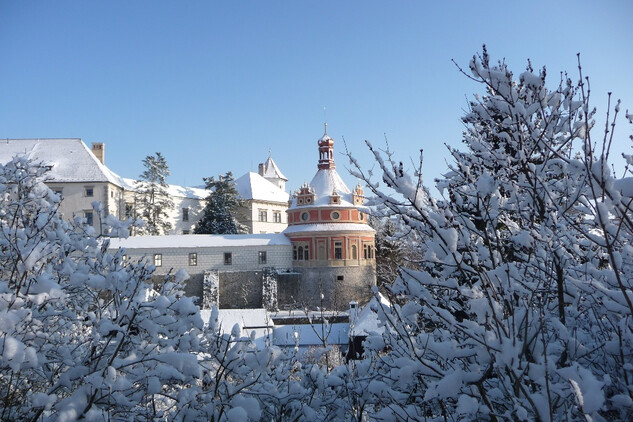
271, 171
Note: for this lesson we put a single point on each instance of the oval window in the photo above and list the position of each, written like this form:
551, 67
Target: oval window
335, 215
361, 216
305, 216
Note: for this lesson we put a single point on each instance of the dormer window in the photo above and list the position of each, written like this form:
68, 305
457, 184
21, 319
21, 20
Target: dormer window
335, 198
305, 195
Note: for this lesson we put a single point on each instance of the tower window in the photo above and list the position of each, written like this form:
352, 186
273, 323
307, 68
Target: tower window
368, 251
338, 250
301, 252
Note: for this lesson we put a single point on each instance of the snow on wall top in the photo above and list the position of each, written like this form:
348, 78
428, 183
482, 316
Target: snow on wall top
325, 227
253, 186
199, 241
271, 171
71, 159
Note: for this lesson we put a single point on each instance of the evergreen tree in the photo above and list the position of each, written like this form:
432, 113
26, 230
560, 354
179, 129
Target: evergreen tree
152, 197
222, 204
389, 251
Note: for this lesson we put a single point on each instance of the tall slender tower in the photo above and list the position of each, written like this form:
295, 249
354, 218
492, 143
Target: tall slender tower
333, 247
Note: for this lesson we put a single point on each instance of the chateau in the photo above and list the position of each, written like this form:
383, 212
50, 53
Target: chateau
311, 250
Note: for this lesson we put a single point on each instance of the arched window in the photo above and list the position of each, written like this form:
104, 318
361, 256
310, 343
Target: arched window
354, 252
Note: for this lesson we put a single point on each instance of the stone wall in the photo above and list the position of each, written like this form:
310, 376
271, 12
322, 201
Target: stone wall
356, 285
241, 289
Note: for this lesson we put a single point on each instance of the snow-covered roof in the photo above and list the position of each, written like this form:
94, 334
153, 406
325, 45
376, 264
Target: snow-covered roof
253, 186
245, 318
71, 159
326, 137
367, 321
271, 171
324, 183
324, 227
199, 241
173, 190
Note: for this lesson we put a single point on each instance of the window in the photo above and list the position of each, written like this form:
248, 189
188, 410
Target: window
305, 216
354, 252
277, 216
193, 259
262, 257
124, 258
368, 251
90, 191
335, 215
263, 215
338, 250
129, 208
185, 214
301, 252
228, 258
186, 231
89, 217
340, 277
158, 259
111, 194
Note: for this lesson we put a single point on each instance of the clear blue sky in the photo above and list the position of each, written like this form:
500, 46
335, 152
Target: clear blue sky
215, 85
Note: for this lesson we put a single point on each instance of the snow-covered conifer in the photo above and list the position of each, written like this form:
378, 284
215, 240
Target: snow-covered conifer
152, 197
222, 204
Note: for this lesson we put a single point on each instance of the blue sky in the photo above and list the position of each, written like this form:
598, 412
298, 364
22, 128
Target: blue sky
215, 86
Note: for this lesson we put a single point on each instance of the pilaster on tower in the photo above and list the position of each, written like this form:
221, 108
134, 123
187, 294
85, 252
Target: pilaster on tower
326, 152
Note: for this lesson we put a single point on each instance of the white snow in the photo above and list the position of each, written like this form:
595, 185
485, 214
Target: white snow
199, 241
318, 227
71, 159
253, 186
271, 171
325, 182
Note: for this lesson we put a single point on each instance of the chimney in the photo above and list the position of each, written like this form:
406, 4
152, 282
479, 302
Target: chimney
353, 312
260, 169
98, 149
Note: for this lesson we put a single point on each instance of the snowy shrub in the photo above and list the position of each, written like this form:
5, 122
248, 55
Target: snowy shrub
82, 334
521, 307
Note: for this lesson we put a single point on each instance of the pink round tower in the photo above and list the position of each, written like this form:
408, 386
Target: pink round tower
333, 247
